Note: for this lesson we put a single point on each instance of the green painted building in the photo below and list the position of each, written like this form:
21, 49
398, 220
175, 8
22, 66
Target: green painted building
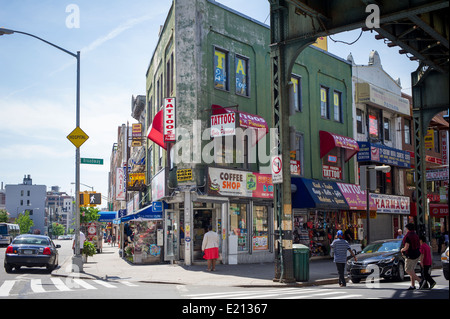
215, 63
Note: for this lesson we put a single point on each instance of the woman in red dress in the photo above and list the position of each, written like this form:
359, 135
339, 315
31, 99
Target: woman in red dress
210, 246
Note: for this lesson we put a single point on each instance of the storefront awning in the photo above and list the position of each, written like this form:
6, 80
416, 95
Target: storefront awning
438, 210
317, 194
355, 197
107, 217
150, 212
155, 132
328, 141
246, 120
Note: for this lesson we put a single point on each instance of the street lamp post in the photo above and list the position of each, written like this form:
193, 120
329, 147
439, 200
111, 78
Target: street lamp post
367, 185
77, 262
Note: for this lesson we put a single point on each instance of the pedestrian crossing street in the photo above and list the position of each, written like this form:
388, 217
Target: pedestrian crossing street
22, 286
279, 293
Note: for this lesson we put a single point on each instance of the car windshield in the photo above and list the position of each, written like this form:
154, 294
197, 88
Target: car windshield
391, 246
3, 230
31, 241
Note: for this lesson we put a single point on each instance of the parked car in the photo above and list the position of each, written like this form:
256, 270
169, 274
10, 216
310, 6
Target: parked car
31, 251
383, 254
444, 260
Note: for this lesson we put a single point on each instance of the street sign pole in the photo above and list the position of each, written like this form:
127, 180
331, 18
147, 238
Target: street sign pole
77, 261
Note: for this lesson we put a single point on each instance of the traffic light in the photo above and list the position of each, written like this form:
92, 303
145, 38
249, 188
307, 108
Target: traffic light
95, 199
89, 199
84, 199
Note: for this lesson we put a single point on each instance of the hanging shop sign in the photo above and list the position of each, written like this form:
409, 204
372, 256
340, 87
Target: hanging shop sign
440, 174
120, 183
223, 124
184, 175
226, 182
169, 120
333, 172
390, 204
383, 154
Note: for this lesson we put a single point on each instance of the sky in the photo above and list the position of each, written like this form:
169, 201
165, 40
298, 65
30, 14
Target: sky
116, 39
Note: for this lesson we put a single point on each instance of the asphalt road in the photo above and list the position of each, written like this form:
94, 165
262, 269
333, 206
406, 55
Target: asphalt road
37, 283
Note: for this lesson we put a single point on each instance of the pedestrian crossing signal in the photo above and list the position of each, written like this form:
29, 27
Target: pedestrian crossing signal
90, 199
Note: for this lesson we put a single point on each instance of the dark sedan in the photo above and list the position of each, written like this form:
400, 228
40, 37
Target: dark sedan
31, 251
381, 258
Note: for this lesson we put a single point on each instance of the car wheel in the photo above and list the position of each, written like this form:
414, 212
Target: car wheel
8, 268
355, 280
446, 275
400, 272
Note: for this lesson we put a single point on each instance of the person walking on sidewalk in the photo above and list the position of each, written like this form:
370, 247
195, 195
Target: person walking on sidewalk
341, 246
426, 262
411, 250
210, 247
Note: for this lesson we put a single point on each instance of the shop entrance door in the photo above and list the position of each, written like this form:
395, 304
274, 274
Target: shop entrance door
202, 219
171, 235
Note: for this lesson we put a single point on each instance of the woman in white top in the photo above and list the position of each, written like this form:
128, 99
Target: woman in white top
210, 246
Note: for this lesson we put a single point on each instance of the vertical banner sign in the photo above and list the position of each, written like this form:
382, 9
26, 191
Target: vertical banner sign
169, 120
120, 183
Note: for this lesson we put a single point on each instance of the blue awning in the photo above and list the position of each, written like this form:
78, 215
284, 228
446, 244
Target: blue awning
107, 216
317, 194
150, 212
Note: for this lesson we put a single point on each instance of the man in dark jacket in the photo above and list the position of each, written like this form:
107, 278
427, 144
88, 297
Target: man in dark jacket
411, 250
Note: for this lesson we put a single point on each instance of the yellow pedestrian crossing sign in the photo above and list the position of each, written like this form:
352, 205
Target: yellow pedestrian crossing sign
77, 137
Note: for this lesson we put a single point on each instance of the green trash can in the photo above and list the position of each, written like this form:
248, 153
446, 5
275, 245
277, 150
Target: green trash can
301, 262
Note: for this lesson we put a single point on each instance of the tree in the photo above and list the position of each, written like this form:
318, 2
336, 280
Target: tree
89, 214
57, 229
4, 216
25, 222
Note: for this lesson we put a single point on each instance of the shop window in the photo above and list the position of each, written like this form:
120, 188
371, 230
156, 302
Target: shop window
238, 224
324, 107
260, 238
359, 121
169, 76
332, 164
407, 130
374, 132
387, 129
297, 92
235, 151
297, 154
220, 69
337, 106
242, 76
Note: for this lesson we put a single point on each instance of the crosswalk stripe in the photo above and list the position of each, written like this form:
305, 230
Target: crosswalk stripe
234, 293
127, 283
104, 283
83, 283
6, 288
36, 286
60, 284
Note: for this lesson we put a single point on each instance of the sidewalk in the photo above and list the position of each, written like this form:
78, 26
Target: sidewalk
110, 266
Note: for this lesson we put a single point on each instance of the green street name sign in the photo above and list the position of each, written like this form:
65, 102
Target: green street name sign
98, 161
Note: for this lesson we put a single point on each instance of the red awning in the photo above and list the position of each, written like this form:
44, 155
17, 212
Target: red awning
156, 130
328, 141
246, 120
438, 210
